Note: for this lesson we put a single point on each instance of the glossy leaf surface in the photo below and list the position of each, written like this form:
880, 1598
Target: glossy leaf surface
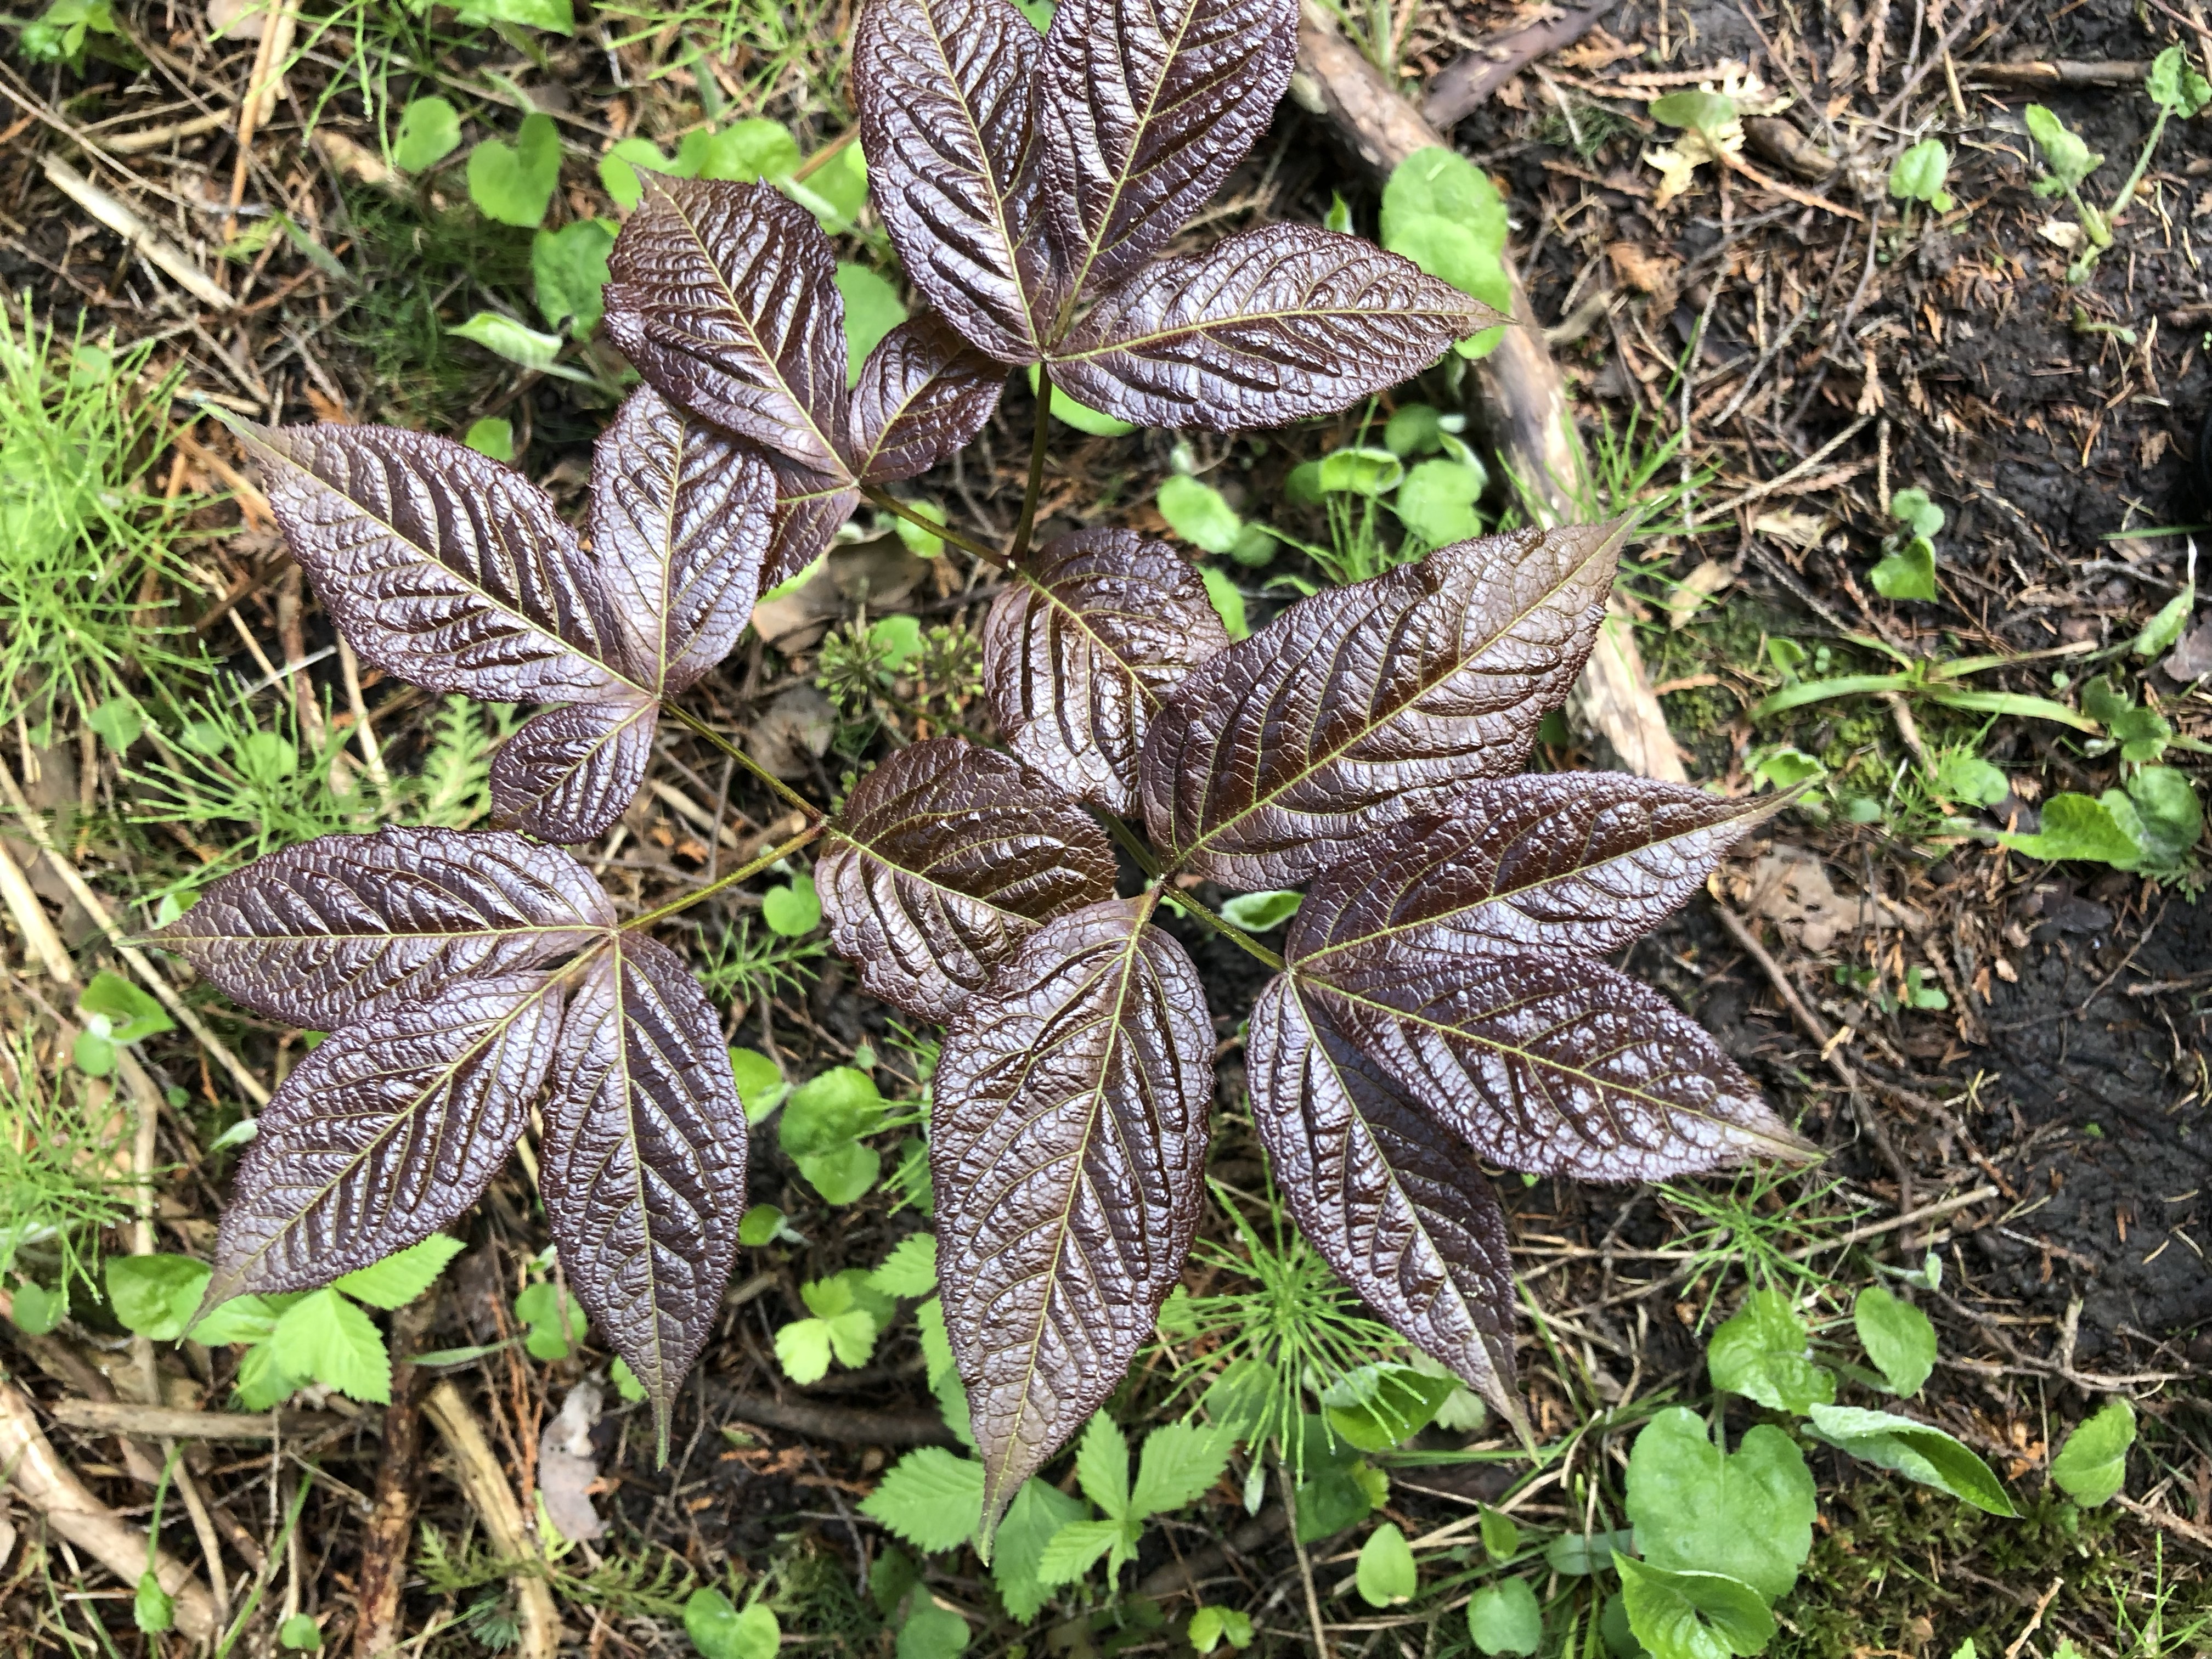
439, 566
1271, 326
725, 297
1146, 105
947, 95
1082, 647
923, 395
387, 1133
810, 508
1362, 705
644, 1173
567, 774
1396, 1206
1066, 1142
1552, 1067
351, 927
945, 858
680, 522
1578, 862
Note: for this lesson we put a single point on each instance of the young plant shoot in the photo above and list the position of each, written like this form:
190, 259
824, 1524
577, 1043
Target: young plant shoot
1443, 997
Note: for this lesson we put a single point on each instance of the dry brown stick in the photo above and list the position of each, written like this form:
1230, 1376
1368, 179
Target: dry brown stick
1462, 85
146, 138
1520, 400
382, 1575
2056, 75
484, 1484
37, 1474
178, 1423
136, 233
139, 962
835, 1423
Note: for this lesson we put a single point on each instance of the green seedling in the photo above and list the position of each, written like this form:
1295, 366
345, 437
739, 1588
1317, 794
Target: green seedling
2092, 1467
1907, 569
2175, 88
68, 31
291, 1339
848, 1314
1923, 679
430, 131
116, 1014
720, 1630
569, 268
513, 183
823, 1128
2150, 824
1201, 514
793, 910
1917, 175
1442, 212
553, 1324
1181, 1461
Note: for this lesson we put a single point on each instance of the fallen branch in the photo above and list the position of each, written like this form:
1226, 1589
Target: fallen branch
1173, 1577
1520, 401
158, 249
835, 1423
40, 1477
381, 1578
484, 1484
176, 1423
1466, 81
2056, 75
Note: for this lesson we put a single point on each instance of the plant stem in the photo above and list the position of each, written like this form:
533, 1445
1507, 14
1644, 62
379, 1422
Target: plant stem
744, 872
789, 796
1144, 858
1228, 930
2142, 166
966, 544
1027, 522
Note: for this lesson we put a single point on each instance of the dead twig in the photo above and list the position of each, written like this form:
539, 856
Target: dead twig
178, 1423
1463, 85
484, 1484
835, 1423
141, 237
40, 1477
382, 1575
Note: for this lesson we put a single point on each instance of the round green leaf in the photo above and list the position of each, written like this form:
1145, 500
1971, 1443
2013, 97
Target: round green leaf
492, 437
1761, 1353
872, 309
1200, 514
1698, 1508
430, 131
1504, 1618
1261, 913
1693, 1616
38, 1310
301, 1633
718, 1631
1387, 1574
1896, 1337
514, 183
568, 268
2092, 1467
1917, 175
619, 170
1700, 111
795, 911
1436, 502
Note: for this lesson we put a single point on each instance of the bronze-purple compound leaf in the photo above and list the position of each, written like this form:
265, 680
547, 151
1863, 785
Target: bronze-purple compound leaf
567, 774
438, 565
1146, 107
724, 296
1066, 1140
923, 394
946, 90
1393, 1203
644, 1174
1362, 705
350, 928
1271, 326
1577, 863
387, 1133
1082, 647
945, 858
1552, 1065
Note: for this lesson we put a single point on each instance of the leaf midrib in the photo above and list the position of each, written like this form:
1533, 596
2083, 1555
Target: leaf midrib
760, 347
1503, 895
1457, 662
1538, 1062
491, 600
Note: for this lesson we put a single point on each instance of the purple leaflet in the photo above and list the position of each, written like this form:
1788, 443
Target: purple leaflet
644, 1176
567, 774
1271, 326
352, 928
1146, 105
1581, 863
724, 297
387, 1133
1066, 1143
923, 394
681, 515
1082, 647
947, 95
1552, 1066
945, 858
438, 565
1394, 1203
1362, 705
